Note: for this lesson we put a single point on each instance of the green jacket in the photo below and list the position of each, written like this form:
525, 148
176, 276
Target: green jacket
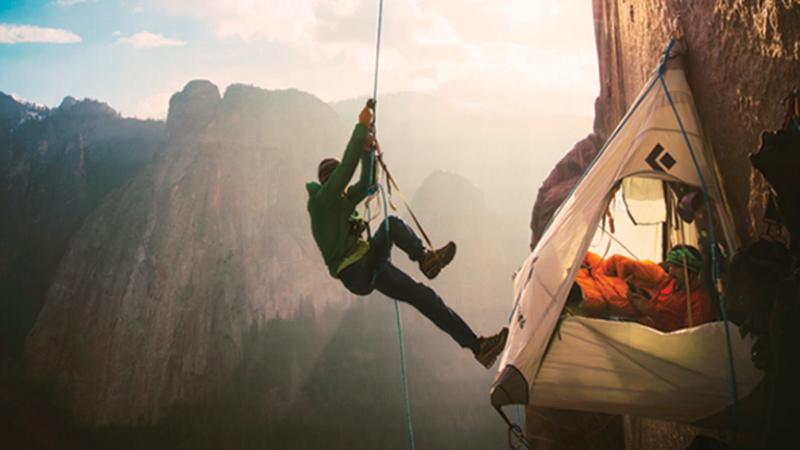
335, 224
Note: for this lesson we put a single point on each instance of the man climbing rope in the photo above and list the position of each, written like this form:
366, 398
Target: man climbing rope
364, 265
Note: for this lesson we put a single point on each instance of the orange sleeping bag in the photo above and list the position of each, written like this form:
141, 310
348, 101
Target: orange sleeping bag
604, 283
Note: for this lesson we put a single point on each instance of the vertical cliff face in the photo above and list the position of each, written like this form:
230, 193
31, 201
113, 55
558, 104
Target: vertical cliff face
742, 58
152, 300
56, 166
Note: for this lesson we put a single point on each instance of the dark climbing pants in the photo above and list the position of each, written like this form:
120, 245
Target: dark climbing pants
375, 271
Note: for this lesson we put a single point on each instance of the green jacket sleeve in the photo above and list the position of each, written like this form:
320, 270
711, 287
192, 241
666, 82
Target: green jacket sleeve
344, 172
358, 191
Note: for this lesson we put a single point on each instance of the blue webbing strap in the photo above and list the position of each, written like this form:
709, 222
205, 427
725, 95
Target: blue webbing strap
712, 234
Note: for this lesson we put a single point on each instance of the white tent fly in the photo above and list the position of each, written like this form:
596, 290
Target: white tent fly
621, 367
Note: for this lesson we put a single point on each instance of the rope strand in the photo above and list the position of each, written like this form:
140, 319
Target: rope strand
715, 265
373, 185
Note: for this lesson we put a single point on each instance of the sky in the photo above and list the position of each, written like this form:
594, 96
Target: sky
536, 55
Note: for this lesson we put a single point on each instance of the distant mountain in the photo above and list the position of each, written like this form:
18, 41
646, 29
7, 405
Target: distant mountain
57, 165
154, 298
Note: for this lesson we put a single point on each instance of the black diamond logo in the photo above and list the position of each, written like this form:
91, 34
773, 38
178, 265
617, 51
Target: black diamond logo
667, 160
521, 320
653, 161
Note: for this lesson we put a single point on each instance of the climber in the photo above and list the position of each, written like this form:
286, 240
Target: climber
364, 265
644, 290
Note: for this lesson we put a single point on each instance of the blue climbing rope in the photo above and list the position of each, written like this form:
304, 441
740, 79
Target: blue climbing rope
400, 336
715, 264
406, 398
377, 53
663, 65
521, 419
373, 187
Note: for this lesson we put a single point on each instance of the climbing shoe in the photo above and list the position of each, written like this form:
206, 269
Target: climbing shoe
489, 348
433, 261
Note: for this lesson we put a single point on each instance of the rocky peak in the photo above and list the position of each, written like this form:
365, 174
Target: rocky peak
10, 109
14, 111
85, 108
67, 103
192, 108
442, 187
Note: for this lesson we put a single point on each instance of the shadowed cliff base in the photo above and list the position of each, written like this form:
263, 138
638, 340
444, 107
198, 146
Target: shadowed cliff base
307, 382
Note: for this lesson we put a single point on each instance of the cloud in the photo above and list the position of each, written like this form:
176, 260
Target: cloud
69, 2
18, 34
250, 21
146, 39
536, 46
